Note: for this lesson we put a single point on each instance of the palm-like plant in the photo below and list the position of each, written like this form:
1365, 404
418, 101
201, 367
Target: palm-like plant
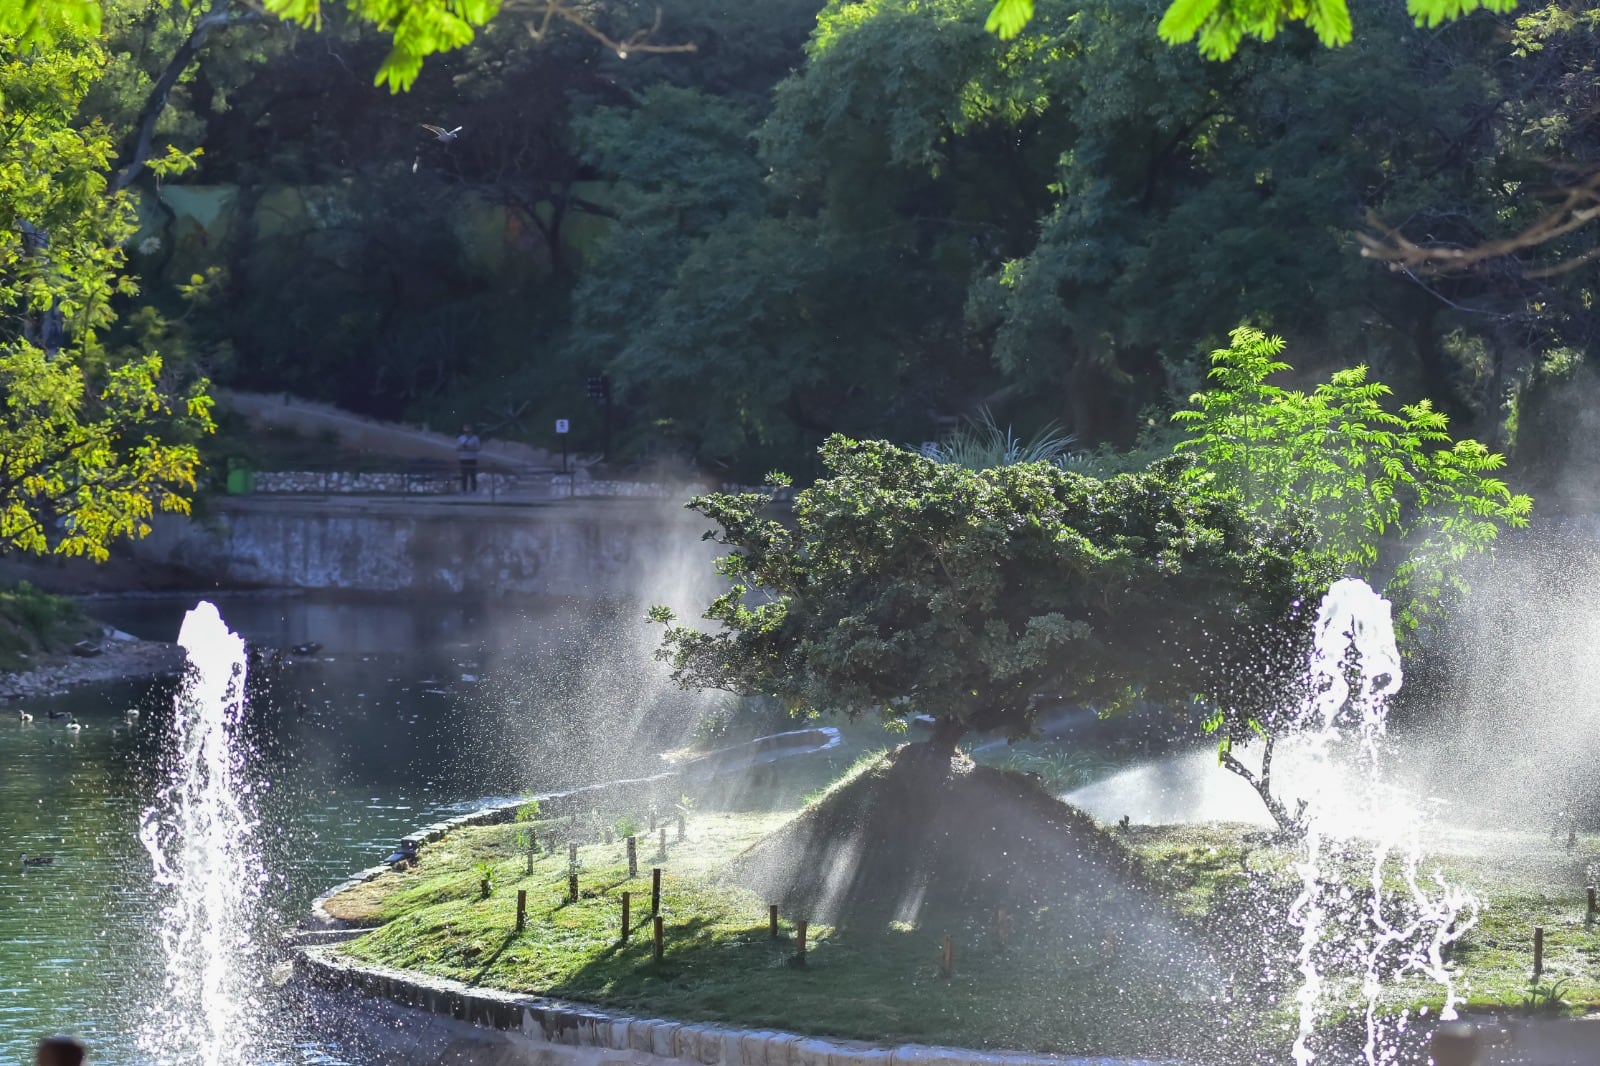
981, 444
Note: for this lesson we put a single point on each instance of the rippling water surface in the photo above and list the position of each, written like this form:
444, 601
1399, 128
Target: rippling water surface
404, 712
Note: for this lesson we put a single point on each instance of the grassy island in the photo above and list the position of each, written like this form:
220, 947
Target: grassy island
1181, 949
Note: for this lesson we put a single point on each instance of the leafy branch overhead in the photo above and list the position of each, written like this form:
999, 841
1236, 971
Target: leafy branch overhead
1221, 26
91, 445
417, 28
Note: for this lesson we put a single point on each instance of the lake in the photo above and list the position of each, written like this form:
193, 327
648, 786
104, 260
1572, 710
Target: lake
406, 710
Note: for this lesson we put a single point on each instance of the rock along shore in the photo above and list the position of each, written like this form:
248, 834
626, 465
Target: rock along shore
121, 658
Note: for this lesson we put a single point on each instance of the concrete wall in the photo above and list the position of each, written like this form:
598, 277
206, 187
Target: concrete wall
613, 548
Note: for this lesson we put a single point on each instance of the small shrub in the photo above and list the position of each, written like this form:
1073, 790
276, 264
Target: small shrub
528, 811
626, 826
485, 871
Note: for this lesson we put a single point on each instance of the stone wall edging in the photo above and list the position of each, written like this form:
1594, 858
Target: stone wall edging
548, 1021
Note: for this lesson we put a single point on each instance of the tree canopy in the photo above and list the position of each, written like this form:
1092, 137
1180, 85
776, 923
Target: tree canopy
906, 586
91, 443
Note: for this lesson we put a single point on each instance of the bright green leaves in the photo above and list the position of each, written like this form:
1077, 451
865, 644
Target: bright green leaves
419, 28
90, 447
1378, 482
39, 22
1008, 18
1437, 12
1221, 25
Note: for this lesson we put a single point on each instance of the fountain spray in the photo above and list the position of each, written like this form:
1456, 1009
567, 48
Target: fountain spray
1355, 670
200, 834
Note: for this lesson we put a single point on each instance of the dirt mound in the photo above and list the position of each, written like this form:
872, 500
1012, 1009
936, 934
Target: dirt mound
922, 831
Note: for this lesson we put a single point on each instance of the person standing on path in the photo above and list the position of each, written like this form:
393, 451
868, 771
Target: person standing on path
467, 448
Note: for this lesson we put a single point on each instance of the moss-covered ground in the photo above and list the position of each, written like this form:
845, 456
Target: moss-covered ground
1055, 983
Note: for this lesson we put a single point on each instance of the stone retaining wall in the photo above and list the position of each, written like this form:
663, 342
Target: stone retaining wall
438, 483
541, 1022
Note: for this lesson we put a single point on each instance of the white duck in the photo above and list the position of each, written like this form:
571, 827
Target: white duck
24, 717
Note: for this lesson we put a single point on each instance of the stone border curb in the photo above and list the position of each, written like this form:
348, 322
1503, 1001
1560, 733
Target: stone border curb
549, 1021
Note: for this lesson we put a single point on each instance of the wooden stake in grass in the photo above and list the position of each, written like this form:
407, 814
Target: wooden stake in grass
947, 958
633, 857
1001, 921
659, 946
663, 842
772, 920
627, 916
572, 886
683, 825
522, 909
652, 819
655, 891
572, 853
1538, 950
1591, 903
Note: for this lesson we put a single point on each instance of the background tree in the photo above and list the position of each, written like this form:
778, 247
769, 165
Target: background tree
906, 586
90, 444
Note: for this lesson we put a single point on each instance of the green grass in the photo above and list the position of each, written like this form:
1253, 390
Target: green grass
1522, 881
1052, 987
34, 623
1057, 985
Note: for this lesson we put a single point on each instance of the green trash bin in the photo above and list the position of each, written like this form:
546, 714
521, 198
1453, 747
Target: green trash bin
241, 481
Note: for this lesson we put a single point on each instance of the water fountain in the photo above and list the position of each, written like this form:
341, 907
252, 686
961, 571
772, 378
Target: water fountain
1366, 934
200, 835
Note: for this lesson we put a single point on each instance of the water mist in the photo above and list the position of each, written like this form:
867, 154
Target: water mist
1366, 934
200, 834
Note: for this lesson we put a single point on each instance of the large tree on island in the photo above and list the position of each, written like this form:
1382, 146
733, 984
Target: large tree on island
905, 586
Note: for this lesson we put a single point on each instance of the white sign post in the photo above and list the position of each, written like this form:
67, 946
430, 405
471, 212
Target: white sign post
562, 425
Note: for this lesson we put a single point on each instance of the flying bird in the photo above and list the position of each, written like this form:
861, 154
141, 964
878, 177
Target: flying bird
440, 134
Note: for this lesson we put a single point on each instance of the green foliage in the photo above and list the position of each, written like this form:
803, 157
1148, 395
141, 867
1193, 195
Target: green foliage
1374, 479
1222, 25
528, 812
906, 586
980, 444
34, 622
1546, 997
626, 826
91, 444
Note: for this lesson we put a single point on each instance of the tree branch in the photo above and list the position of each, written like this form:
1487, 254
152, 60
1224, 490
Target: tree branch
156, 102
1579, 206
546, 12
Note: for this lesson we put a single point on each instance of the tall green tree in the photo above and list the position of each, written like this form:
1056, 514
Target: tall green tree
906, 586
91, 445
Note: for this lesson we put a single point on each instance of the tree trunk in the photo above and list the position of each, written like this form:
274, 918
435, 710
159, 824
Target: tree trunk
156, 102
946, 732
